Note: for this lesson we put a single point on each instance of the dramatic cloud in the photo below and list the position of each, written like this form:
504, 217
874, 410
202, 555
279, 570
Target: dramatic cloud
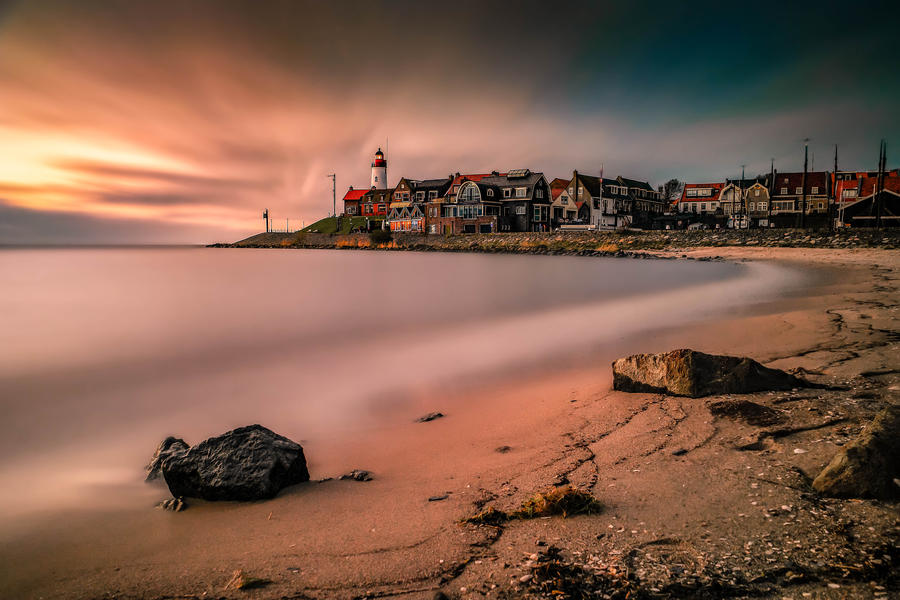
185, 119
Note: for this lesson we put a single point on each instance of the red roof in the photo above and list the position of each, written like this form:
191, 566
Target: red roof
557, 186
792, 181
716, 189
845, 184
476, 177
354, 194
867, 185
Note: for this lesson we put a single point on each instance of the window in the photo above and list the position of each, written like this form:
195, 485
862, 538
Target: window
538, 213
507, 192
420, 196
756, 192
785, 179
563, 200
798, 191
849, 193
784, 191
469, 193
815, 190
520, 210
351, 210
762, 205
432, 194
703, 207
521, 192
752, 206
538, 193
692, 193
382, 207
490, 193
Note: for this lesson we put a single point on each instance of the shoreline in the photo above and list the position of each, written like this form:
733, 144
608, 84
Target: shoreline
383, 538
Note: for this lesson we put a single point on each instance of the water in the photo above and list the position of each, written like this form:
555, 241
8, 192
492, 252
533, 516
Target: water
106, 351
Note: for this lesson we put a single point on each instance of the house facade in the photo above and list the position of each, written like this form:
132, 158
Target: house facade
408, 208
701, 198
374, 203
787, 193
516, 201
351, 201
563, 209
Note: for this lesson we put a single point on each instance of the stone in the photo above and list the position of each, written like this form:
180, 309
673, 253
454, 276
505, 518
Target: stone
438, 498
750, 412
248, 463
173, 504
429, 417
167, 447
695, 374
358, 475
869, 466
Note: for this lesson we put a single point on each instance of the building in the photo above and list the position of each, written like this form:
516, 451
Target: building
379, 171
701, 198
872, 209
608, 204
374, 203
563, 209
351, 201
788, 195
756, 203
643, 202
410, 200
492, 202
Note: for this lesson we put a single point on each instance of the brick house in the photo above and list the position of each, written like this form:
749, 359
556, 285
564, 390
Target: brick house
351, 201
701, 198
787, 193
516, 201
408, 208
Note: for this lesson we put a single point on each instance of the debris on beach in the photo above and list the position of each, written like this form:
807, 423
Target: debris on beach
749, 412
249, 463
358, 475
686, 372
242, 581
429, 417
565, 501
173, 504
868, 467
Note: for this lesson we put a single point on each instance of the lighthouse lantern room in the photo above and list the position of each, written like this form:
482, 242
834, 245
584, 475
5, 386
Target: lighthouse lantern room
379, 171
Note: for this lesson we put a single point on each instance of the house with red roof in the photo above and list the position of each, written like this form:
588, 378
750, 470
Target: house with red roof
701, 198
351, 201
871, 208
788, 193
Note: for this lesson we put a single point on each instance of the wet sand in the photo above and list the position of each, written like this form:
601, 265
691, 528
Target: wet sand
711, 516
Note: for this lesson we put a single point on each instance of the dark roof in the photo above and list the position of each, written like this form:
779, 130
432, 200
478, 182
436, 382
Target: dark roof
634, 183
594, 185
792, 181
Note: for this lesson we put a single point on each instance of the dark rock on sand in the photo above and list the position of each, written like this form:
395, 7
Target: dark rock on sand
358, 475
868, 467
167, 447
429, 417
249, 463
690, 373
750, 412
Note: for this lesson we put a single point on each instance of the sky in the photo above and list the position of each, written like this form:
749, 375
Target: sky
138, 121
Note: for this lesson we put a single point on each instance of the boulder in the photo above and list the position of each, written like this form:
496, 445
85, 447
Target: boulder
249, 463
868, 467
690, 373
167, 447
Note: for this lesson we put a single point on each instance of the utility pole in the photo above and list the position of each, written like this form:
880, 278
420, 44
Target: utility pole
834, 198
333, 195
742, 193
771, 192
803, 183
879, 182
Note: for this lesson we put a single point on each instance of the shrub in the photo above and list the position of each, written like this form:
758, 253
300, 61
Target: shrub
380, 236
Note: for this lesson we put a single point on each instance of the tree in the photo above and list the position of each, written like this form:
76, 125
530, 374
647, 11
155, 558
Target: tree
670, 190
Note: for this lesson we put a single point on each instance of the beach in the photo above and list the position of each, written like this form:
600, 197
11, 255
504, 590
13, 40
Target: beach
687, 512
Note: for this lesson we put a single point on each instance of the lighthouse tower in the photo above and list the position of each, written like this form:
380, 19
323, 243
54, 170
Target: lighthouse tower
379, 171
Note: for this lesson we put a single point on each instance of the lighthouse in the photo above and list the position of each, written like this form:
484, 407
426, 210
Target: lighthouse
379, 171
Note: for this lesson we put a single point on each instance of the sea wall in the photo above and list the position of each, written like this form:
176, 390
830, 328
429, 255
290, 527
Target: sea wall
585, 242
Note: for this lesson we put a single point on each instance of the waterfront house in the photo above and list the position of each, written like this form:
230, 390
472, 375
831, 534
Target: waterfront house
408, 208
608, 204
873, 209
787, 193
700, 198
351, 201
643, 202
516, 201
563, 209
756, 203
374, 203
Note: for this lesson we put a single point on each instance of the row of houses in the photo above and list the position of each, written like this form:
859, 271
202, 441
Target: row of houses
522, 200
519, 200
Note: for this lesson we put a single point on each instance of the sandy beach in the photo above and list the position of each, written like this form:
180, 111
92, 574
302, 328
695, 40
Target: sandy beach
687, 512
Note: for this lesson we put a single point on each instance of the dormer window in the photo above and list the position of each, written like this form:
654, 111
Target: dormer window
490, 193
784, 191
521, 192
432, 194
420, 196
798, 191
538, 193
507, 192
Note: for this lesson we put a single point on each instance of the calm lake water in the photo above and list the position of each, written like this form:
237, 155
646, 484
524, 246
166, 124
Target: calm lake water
106, 351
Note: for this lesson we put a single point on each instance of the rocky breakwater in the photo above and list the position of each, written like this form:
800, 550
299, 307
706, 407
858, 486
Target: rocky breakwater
248, 463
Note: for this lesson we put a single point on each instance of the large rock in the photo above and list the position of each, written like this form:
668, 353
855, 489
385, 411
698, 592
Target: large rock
167, 447
868, 467
249, 463
690, 373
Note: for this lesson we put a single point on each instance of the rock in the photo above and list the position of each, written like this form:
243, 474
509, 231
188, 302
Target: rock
249, 463
438, 498
503, 449
751, 412
241, 581
173, 504
869, 466
690, 373
429, 417
167, 447
358, 475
